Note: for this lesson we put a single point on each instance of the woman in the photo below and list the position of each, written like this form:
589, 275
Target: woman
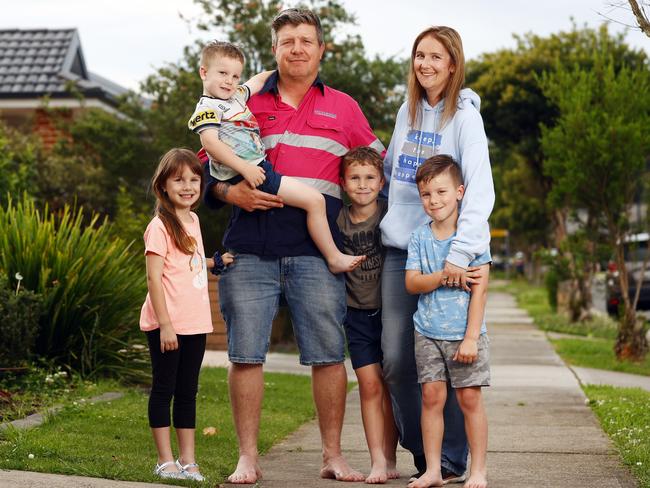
439, 117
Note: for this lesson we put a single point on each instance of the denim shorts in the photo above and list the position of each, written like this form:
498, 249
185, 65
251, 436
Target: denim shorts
249, 295
270, 185
363, 331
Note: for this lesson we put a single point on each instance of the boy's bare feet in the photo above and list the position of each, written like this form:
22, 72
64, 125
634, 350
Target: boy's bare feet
476, 480
343, 263
378, 474
247, 471
338, 469
428, 479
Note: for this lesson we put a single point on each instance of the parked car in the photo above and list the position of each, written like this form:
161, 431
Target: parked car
635, 251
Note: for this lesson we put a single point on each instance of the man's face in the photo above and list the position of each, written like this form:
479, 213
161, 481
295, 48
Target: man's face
298, 52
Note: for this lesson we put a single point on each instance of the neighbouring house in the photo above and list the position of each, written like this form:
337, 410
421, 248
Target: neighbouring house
48, 64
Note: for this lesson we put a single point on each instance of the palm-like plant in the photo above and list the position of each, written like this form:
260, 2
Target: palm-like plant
92, 287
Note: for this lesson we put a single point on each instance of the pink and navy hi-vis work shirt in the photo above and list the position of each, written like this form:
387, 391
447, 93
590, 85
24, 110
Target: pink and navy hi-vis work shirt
306, 143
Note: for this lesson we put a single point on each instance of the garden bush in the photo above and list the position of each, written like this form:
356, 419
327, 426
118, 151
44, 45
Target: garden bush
19, 156
91, 283
20, 312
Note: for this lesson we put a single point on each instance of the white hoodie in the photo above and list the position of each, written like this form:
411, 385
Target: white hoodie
463, 138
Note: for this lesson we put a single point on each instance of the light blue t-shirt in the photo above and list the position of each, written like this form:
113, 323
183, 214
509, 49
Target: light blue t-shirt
442, 313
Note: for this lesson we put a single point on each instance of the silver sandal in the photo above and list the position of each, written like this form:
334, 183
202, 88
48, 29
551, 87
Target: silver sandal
159, 471
190, 475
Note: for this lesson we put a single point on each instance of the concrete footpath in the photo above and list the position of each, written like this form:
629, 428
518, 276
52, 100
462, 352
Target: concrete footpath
590, 376
542, 433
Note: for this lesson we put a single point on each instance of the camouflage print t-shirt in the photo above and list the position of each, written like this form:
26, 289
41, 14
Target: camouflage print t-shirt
364, 238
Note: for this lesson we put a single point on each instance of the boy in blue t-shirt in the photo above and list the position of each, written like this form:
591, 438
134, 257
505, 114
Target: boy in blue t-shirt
450, 335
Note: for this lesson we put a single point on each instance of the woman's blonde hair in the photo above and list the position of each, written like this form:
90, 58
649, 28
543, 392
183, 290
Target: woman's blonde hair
452, 42
171, 164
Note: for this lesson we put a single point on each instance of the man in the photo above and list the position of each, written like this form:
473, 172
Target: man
306, 128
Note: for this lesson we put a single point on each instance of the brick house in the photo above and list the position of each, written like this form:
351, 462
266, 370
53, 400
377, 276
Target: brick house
48, 64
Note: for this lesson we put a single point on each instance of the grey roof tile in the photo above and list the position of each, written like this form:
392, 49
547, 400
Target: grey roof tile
35, 62
32, 60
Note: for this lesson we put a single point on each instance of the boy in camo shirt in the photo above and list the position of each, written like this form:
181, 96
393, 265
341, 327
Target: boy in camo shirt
451, 343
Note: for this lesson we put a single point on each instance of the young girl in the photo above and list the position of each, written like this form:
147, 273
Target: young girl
176, 313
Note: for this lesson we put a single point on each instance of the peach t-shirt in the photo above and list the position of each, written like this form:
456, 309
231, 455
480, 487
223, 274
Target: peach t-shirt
185, 281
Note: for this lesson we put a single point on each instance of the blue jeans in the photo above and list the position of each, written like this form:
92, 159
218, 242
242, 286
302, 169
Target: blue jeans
400, 373
249, 296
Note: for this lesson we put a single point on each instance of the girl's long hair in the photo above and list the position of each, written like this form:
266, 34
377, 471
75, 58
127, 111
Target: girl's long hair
171, 164
452, 42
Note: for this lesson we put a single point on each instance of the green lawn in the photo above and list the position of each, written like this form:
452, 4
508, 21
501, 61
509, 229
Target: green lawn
597, 353
27, 393
624, 413
112, 440
534, 299
593, 344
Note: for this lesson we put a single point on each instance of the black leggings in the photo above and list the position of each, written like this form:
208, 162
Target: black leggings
175, 374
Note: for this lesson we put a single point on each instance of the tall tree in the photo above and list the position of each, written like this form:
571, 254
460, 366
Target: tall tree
595, 156
513, 106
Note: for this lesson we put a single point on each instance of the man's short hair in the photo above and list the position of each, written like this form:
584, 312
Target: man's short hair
362, 155
220, 48
295, 17
437, 165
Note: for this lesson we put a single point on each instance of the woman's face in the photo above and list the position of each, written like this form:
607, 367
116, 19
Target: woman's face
433, 67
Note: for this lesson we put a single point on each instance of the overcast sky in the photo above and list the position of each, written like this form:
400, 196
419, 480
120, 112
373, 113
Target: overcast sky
124, 40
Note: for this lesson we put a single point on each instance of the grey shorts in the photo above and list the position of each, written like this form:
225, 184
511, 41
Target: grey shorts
434, 362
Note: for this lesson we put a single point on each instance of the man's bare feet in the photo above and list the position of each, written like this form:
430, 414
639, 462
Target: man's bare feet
428, 479
476, 480
343, 263
338, 468
247, 471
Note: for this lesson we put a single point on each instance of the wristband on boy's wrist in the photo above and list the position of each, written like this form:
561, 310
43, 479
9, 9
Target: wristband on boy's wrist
218, 267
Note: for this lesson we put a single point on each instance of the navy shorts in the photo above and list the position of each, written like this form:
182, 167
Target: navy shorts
363, 331
271, 183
